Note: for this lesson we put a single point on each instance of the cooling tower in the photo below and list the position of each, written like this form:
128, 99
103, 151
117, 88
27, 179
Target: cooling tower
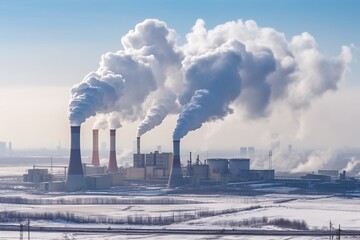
95, 152
75, 179
138, 145
176, 177
112, 168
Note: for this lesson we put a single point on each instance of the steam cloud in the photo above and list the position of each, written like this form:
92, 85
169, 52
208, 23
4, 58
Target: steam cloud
236, 65
139, 70
265, 69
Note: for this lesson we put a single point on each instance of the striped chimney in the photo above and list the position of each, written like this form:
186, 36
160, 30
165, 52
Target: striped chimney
112, 168
176, 177
75, 179
95, 153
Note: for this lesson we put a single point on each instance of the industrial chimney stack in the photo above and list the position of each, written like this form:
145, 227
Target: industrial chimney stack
95, 153
176, 177
75, 179
138, 145
112, 168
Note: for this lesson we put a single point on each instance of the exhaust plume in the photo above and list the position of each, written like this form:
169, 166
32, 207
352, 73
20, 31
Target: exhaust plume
159, 109
236, 66
94, 94
240, 65
125, 79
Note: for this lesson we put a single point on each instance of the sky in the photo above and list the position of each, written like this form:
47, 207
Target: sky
46, 47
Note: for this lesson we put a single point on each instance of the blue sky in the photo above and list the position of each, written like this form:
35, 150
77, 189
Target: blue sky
71, 31
55, 44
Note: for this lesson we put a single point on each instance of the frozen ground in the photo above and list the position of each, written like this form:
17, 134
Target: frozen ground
316, 211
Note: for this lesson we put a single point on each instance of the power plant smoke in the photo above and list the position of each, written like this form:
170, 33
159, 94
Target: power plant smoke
234, 66
125, 79
159, 109
240, 65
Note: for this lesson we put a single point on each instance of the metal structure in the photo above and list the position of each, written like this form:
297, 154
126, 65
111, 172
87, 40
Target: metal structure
21, 230
138, 145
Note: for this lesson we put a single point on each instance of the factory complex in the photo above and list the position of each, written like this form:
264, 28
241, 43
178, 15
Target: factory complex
165, 169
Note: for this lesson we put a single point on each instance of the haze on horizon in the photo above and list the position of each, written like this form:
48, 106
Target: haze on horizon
46, 49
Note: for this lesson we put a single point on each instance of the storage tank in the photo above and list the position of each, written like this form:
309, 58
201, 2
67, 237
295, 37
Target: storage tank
237, 165
218, 167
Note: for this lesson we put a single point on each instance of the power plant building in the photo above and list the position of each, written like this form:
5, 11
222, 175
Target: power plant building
236, 169
218, 167
150, 166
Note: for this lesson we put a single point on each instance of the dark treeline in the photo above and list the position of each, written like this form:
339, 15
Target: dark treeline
258, 222
94, 201
143, 219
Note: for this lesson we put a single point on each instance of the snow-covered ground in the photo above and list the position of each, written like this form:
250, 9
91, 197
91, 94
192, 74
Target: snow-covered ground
316, 211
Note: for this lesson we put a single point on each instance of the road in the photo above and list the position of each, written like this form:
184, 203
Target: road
182, 231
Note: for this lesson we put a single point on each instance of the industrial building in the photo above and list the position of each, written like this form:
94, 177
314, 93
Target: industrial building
236, 169
37, 175
165, 167
153, 165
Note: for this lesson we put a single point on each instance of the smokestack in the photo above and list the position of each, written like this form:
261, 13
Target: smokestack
112, 168
95, 153
176, 177
75, 179
138, 145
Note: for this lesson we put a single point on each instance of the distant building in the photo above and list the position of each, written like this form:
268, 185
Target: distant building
243, 152
154, 165
37, 175
10, 148
318, 177
290, 149
2, 148
251, 152
327, 172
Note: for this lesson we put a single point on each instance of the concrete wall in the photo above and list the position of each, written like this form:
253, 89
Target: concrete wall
135, 173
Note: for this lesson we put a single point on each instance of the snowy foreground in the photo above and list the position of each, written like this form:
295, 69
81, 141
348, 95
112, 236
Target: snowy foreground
187, 211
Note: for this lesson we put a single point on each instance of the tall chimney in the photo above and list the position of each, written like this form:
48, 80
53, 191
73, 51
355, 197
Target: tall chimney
112, 168
176, 177
95, 153
138, 145
75, 179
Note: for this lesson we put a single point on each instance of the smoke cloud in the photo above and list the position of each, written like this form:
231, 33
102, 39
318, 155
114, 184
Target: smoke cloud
315, 161
94, 94
353, 166
159, 109
236, 66
139, 71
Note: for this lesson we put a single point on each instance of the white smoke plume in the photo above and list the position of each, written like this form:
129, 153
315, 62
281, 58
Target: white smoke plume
159, 109
100, 122
166, 57
234, 66
139, 71
315, 161
353, 166
213, 81
240, 64
93, 95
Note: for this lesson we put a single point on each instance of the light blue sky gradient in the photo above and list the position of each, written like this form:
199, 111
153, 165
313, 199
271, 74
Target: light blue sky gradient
47, 46
67, 37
